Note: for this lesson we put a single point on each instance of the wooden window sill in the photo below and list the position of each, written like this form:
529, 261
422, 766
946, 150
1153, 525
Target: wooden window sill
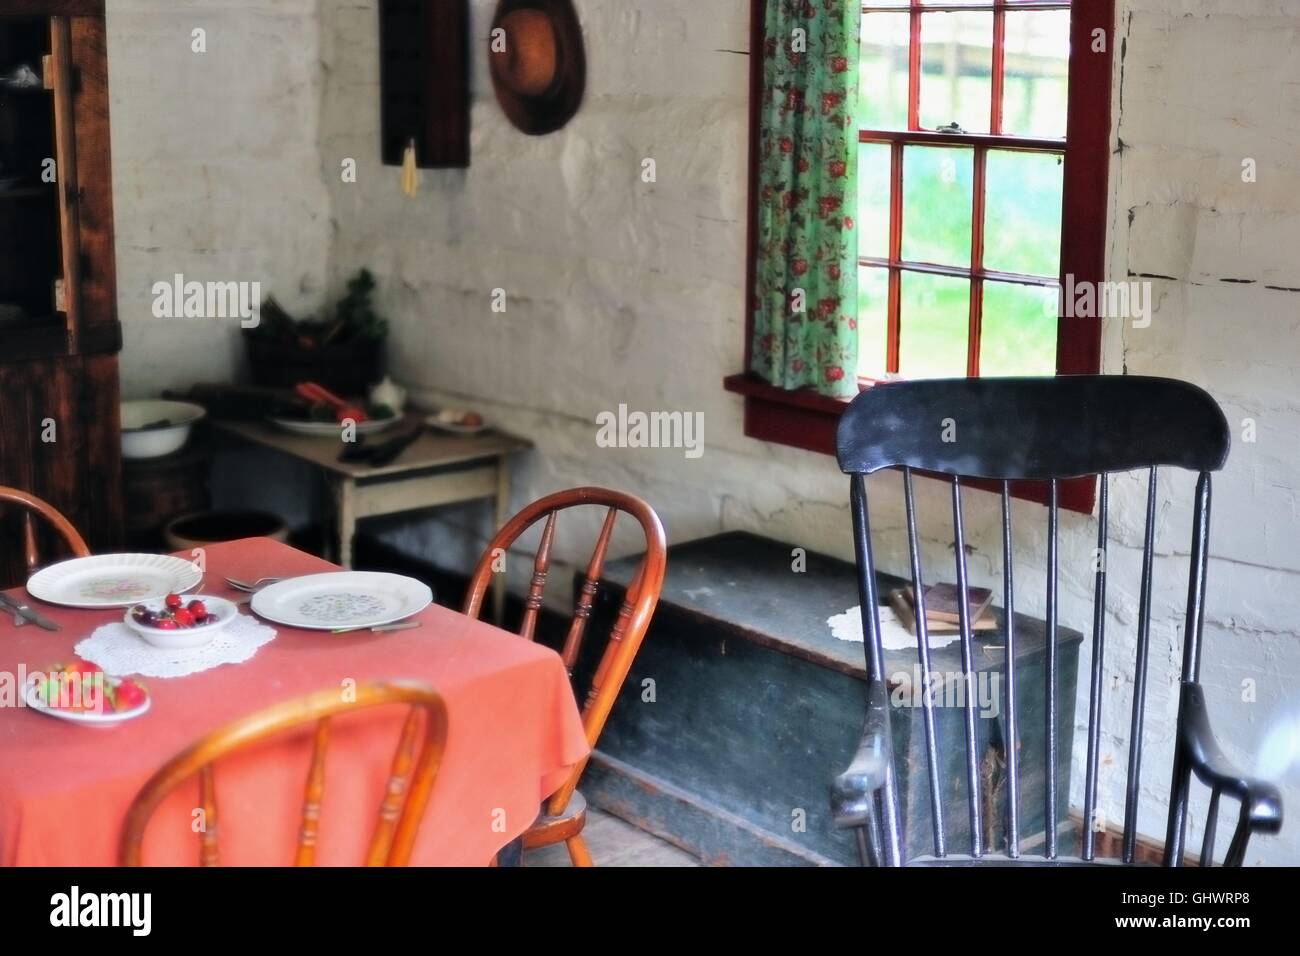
804, 419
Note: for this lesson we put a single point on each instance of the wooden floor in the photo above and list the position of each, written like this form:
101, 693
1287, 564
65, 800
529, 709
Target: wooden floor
615, 843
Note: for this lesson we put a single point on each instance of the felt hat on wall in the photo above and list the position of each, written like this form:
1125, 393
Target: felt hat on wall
537, 61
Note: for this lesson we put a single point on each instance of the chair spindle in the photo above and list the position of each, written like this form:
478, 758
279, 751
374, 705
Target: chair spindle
1133, 783
208, 800
1009, 682
887, 821
968, 673
536, 587
312, 798
1094, 687
1211, 824
1053, 558
395, 798
923, 656
1196, 583
1236, 854
587, 594
30, 551
1180, 786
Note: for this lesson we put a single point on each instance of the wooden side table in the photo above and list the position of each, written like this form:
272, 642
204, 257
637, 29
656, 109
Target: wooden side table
436, 469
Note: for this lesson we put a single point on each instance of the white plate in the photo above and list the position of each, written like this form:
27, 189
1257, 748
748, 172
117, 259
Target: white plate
113, 580
342, 599
183, 638
33, 700
332, 429
446, 421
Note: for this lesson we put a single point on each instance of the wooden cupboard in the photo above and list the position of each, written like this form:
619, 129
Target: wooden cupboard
59, 331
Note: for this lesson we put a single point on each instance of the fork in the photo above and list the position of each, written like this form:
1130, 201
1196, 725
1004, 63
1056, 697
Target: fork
251, 586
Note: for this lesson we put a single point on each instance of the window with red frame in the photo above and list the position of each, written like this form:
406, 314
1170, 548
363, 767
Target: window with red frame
984, 132
962, 115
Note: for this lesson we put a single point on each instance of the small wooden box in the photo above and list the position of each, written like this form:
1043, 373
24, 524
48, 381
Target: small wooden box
424, 81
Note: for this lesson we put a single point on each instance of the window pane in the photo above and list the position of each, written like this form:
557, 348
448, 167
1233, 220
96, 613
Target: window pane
882, 90
873, 321
933, 325
1035, 73
937, 204
1022, 213
956, 70
873, 200
1018, 329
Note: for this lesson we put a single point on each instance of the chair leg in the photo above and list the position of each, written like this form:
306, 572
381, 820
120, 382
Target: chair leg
578, 851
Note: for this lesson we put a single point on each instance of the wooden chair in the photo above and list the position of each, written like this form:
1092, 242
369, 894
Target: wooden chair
405, 796
31, 504
1045, 430
565, 813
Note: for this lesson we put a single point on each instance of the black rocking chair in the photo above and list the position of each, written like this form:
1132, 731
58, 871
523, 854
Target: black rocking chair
1048, 430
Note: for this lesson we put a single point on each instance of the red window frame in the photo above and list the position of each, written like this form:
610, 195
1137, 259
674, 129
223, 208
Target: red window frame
804, 419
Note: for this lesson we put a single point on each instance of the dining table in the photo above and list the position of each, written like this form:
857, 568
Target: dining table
514, 735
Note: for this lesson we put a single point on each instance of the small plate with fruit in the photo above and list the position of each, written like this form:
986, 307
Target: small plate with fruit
82, 693
178, 622
457, 421
322, 413
324, 423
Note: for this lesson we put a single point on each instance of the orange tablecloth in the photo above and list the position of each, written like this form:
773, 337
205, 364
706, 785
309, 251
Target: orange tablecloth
513, 734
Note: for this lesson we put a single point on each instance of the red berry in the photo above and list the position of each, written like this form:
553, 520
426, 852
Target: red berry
183, 617
174, 600
197, 609
167, 624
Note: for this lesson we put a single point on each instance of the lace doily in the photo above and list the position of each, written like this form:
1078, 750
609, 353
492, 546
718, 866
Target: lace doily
894, 635
121, 651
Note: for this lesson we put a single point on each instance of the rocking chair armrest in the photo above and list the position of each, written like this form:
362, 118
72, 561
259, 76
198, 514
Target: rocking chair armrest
1261, 801
853, 791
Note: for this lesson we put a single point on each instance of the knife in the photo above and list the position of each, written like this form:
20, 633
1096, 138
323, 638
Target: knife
28, 614
379, 628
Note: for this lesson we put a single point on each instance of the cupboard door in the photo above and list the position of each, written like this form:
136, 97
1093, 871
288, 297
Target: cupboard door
31, 234
59, 440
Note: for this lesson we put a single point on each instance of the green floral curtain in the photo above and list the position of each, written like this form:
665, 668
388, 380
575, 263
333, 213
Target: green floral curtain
805, 320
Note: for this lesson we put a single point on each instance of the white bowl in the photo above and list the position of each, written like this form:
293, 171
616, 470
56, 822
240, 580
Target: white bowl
185, 637
158, 440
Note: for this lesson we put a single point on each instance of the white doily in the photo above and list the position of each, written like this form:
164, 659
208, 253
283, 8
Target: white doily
121, 651
894, 636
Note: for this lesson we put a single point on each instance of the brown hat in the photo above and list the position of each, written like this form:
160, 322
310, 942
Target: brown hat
540, 73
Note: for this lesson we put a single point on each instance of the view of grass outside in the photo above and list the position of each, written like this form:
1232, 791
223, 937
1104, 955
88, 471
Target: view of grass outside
1022, 230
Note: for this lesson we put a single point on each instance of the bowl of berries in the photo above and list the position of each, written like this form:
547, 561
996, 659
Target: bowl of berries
178, 622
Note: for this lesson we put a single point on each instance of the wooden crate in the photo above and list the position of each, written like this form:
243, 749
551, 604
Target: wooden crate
742, 707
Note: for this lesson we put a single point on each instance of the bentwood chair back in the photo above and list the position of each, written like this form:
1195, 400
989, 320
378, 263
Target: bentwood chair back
565, 811
1045, 430
414, 767
31, 505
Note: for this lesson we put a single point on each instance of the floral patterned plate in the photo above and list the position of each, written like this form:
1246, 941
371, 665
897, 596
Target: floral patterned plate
342, 599
113, 580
